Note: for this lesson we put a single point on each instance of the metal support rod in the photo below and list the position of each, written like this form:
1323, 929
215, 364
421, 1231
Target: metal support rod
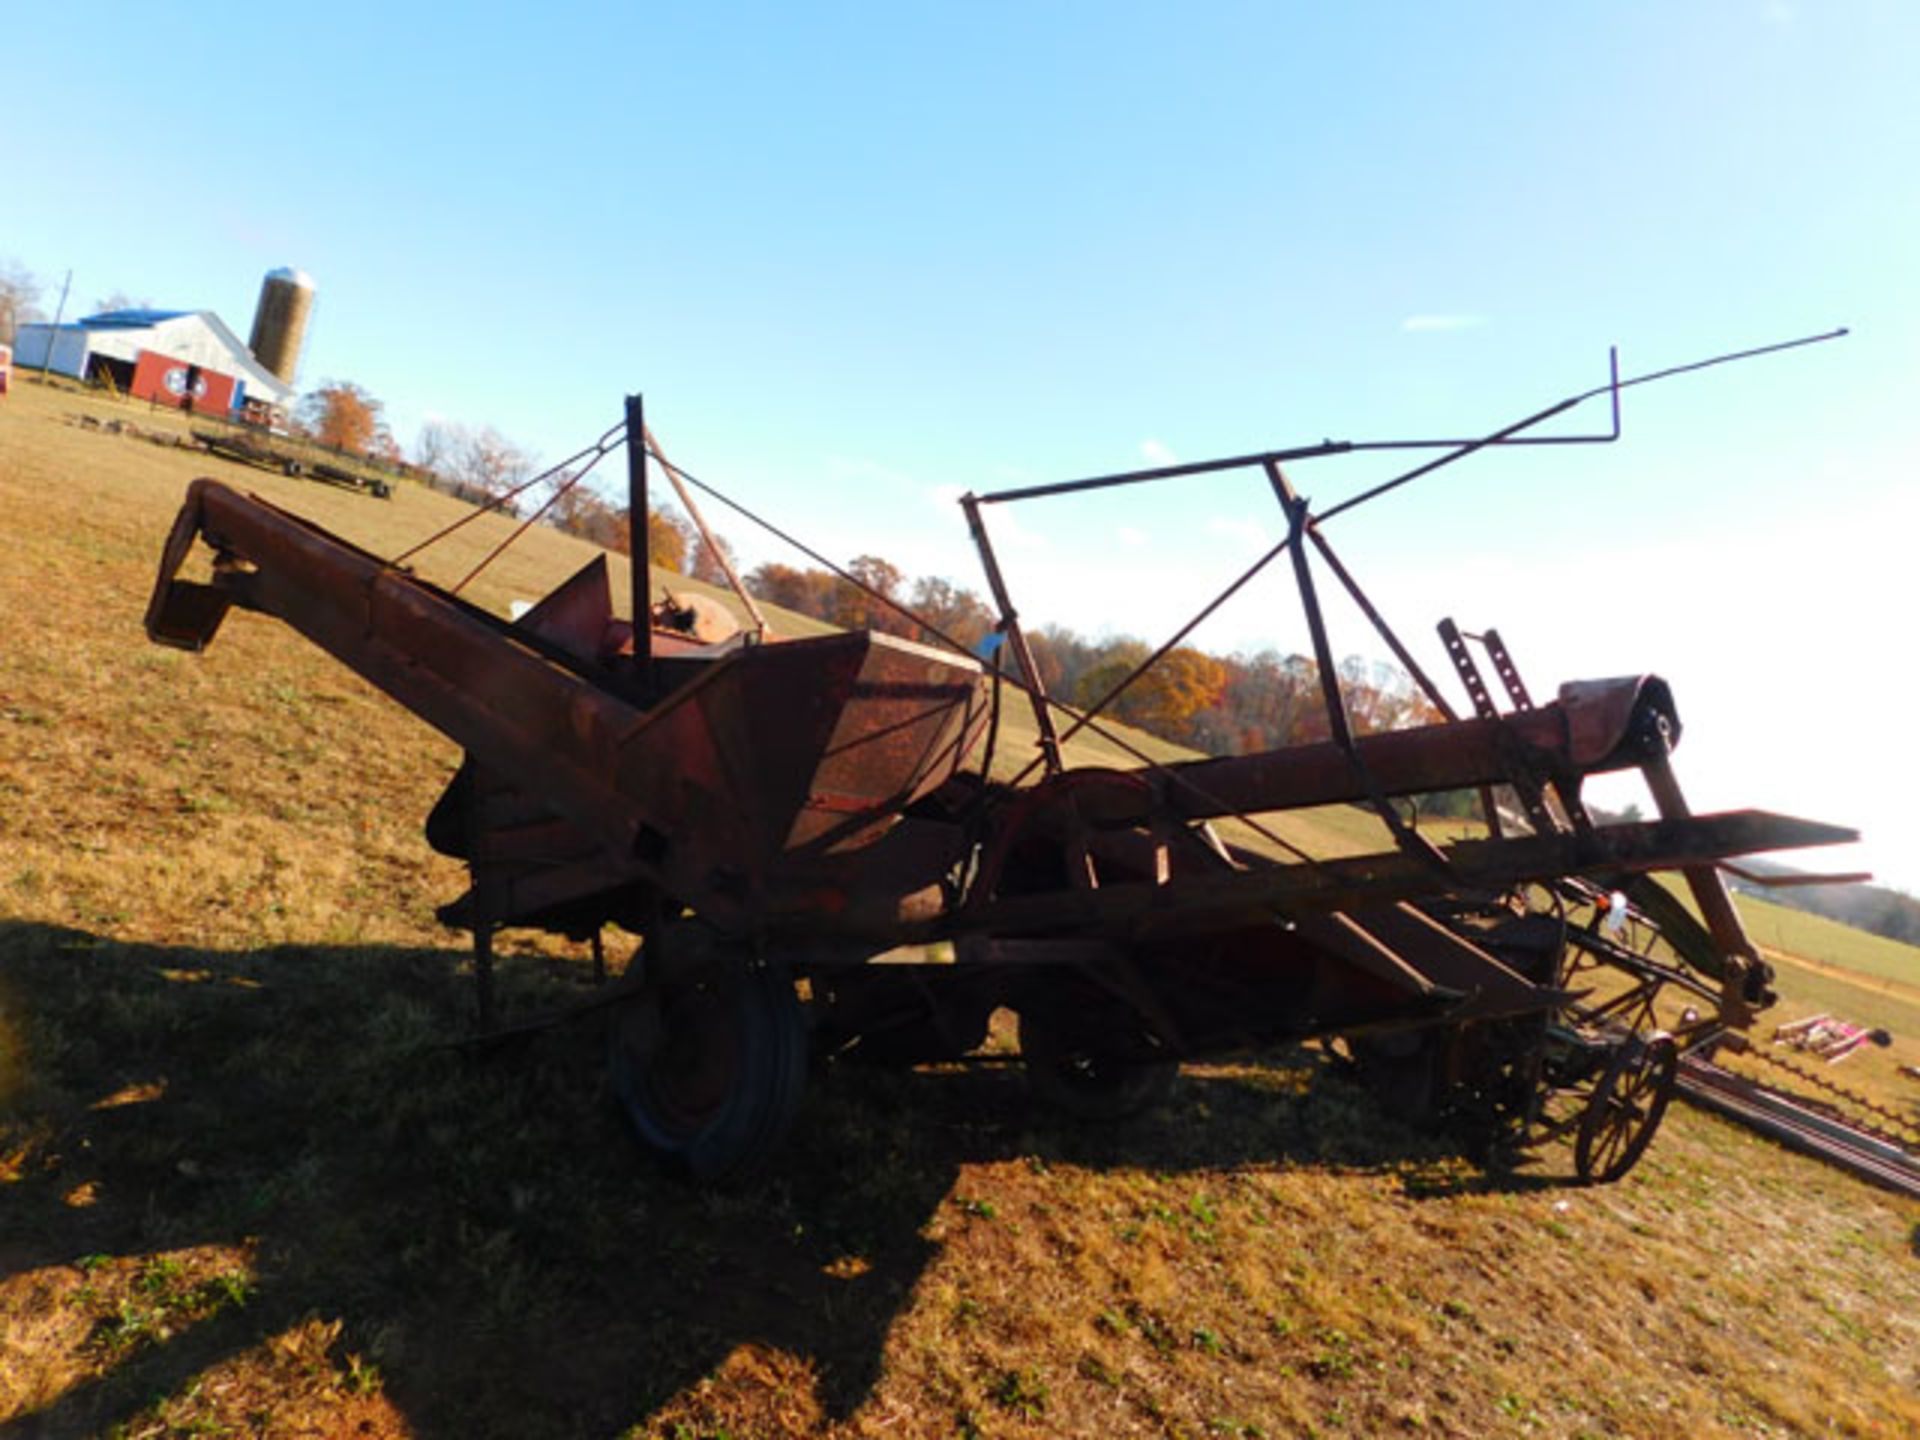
1088, 716
1272, 457
1386, 632
1709, 889
1507, 435
1499, 437
639, 539
1015, 636
706, 535
529, 522
1338, 725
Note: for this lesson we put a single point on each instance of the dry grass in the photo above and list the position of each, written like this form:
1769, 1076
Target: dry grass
244, 1190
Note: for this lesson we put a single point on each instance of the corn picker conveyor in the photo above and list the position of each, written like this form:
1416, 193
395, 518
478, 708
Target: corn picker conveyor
780, 821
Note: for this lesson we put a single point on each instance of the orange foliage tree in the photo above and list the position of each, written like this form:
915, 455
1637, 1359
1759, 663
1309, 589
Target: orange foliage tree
1165, 700
342, 415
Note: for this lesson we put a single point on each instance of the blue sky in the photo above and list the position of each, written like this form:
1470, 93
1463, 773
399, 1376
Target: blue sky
861, 260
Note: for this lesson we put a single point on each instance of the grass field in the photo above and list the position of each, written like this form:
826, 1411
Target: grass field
245, 1188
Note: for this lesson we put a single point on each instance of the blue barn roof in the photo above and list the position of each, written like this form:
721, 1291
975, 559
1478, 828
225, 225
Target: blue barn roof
130, 319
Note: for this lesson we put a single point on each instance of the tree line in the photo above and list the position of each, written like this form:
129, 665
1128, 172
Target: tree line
1218, 704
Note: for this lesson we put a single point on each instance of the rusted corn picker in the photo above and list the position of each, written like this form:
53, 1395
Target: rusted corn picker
780, 822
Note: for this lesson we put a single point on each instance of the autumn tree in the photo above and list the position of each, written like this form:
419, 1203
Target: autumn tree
434, 447
1062, 656
956, 613
1268, 700
19, 298
486, 461
667, 537
120, 300
806, 592
1116, 660
705, 561
342, 415
1382, 697
853, 601
1165, 699
1181, 685
578, 509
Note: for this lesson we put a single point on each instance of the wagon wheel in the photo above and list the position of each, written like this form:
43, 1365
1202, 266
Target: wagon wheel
1088, 1080
1625, 1109
709, 1063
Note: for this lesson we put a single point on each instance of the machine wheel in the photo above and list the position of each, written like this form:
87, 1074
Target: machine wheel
1402, 1071
1625, 1109
1067, 1073
710, 1063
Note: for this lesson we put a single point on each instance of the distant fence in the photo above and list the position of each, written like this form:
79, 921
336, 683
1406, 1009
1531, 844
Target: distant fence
103, 385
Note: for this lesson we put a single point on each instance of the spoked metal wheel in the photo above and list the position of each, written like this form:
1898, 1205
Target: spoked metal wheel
709, 1063
1625, 1108
1641, 981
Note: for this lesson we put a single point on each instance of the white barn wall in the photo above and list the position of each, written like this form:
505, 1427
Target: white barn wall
193, 339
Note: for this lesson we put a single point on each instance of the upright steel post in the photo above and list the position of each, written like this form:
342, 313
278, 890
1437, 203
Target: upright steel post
639, 537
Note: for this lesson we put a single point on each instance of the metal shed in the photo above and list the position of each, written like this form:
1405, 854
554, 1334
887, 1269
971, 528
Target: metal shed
112, 341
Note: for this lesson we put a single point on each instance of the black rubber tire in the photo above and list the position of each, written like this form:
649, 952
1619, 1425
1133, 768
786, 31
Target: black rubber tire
1402, 1071
710, 1067
1067, 1073
1626, 1108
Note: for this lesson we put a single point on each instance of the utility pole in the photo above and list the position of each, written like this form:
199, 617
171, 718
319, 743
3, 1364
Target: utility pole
59, 313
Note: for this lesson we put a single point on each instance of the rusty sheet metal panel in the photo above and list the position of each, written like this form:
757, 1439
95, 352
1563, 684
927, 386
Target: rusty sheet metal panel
788, 749
1595, 726
795, 746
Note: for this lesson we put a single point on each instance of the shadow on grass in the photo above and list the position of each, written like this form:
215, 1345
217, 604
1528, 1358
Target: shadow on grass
483, 1226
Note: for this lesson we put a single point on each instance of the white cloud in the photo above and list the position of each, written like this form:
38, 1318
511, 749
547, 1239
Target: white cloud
1429, 323
1158, 452
1132, 538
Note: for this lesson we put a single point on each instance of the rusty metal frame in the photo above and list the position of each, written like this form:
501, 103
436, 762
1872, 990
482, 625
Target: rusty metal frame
1304, 525
636, 779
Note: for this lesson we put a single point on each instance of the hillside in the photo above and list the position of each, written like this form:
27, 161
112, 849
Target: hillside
1874, 908
247, 1190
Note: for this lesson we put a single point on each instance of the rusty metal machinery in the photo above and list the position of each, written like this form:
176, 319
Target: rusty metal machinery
773, 817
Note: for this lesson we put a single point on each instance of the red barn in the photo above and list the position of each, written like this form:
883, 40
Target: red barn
181, 383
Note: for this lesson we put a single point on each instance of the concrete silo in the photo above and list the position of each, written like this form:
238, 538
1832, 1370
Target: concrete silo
280, 322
